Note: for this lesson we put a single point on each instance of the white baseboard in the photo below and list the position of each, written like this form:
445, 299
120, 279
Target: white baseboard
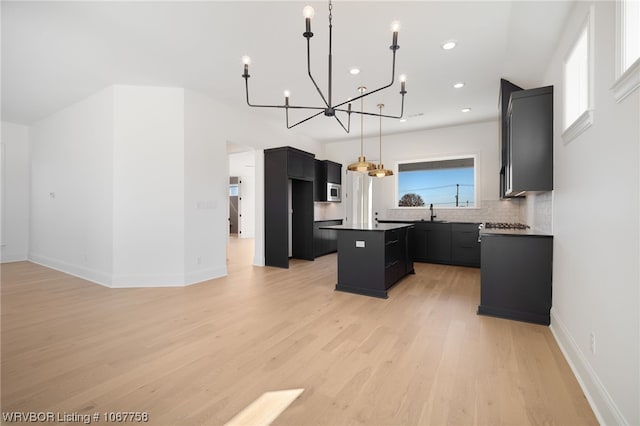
128, 280
604, 408
88, 274
13, 257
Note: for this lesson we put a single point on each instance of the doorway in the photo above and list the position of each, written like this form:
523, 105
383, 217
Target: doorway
234, 206
241, 204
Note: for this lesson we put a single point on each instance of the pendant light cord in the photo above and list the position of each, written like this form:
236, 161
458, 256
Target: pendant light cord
362, 89
380, 106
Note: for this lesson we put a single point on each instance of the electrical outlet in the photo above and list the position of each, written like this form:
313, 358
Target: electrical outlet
592, 343
199, 260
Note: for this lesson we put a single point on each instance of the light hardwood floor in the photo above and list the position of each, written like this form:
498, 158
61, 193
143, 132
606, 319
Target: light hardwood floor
200, 354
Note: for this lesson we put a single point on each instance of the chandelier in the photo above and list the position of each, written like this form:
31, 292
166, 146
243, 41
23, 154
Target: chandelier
329, 108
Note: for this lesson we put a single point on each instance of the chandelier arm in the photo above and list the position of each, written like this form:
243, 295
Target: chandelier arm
393, 76
376, 114
302, 121
311, 76
341, 124
275, 106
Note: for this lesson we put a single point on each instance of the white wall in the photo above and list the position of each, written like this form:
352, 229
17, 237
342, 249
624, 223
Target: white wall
242, 164
71, 196
480, 139
596, 277
206, 189
14, 192
149, 181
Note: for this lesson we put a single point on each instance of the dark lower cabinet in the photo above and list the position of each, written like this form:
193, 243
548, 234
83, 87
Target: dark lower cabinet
448, 243
516, 275
325, 241
432, 242
465, 248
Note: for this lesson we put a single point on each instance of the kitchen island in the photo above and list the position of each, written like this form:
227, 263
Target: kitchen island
372, 258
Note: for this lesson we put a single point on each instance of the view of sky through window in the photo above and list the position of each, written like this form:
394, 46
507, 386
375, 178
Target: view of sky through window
445, 183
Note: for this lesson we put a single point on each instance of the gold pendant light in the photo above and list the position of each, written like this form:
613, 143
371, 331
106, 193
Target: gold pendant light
380, 171
362, 165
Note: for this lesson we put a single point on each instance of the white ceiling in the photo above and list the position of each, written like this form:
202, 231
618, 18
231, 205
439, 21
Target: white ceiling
57, 53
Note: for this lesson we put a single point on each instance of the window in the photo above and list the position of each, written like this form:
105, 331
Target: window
578, 103
445, 183
627, 48
576, 84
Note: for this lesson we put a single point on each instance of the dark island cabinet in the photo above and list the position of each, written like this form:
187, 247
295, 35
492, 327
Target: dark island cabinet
370, 261
288, 177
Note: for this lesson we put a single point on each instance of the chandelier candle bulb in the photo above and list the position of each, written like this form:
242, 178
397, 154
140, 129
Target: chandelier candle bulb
246, 61
286, 97
395, 26
308, 13
403, 80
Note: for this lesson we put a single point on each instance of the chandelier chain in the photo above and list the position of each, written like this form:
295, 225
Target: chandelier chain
330, 14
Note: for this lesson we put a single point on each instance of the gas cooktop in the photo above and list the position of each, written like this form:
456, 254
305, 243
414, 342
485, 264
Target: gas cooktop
505, 225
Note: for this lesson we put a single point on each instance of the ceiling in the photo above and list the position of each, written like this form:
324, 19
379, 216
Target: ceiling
57, 53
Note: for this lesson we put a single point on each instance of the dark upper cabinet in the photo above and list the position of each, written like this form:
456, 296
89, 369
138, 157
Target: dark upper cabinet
325, 172
506, 88
529, 141
300, 164
334, 172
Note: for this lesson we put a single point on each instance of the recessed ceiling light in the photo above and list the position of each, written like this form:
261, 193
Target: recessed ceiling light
403, 120
354, 71
458, 85
465, 109
449, 44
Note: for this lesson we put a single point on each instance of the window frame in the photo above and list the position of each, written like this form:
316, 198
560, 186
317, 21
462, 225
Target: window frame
585, 119
476, 200
626, 80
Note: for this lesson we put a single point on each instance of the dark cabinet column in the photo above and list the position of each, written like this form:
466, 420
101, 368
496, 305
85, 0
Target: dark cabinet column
302, 219
276, 215
280, 166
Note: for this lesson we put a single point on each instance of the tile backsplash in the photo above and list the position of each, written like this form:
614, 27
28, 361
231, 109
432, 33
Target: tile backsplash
511, 211
327, 211
539, 209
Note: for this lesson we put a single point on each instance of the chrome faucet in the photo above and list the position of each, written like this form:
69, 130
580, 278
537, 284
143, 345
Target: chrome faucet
433, 216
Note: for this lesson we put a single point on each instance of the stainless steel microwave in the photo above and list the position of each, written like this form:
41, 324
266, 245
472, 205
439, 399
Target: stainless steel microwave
334, 192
